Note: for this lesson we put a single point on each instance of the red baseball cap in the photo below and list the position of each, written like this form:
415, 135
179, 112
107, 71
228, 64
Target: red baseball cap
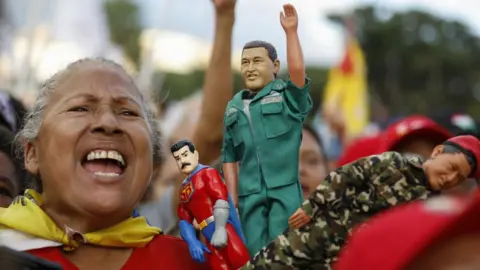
470, 145
359, 148
415, 125
392, 240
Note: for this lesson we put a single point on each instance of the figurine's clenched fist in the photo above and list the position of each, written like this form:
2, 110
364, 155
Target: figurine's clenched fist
289, 18
219, 238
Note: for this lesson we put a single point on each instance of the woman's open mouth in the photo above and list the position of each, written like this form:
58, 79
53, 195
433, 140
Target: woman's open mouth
105, 163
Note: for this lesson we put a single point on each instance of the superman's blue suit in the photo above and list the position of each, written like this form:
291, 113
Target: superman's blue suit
198, 194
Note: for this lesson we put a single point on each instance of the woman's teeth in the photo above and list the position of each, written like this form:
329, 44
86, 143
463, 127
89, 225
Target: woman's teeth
106, 174
104, 154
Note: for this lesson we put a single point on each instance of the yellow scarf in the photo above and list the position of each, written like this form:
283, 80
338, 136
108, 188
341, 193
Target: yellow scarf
26, 216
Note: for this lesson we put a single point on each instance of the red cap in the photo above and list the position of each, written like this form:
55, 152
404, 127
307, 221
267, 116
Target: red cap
359, 148
470, 144
393, 239
416, 125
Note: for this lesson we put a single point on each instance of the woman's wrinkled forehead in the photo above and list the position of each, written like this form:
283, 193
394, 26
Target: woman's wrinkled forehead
96, 80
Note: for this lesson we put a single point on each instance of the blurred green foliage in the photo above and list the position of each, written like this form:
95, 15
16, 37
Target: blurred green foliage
125, 29
418, 62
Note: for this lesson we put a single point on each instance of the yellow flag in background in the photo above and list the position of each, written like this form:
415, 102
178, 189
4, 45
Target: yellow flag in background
346, 90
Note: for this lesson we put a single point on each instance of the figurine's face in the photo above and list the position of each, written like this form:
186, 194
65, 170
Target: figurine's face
446, 170
186, 160
257, 68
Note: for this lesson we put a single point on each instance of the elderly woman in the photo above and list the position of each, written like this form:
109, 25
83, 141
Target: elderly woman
91, 142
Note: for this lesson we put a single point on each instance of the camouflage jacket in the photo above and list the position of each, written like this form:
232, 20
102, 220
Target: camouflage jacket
348, 197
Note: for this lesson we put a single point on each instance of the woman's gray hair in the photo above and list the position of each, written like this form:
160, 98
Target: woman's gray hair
34, 118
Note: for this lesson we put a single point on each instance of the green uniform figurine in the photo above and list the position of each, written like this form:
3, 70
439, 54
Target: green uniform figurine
355, 192
262, 136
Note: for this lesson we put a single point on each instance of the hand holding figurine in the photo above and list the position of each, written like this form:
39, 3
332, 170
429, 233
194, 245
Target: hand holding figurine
289, 18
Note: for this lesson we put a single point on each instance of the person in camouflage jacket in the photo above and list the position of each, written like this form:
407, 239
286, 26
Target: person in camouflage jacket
355, 192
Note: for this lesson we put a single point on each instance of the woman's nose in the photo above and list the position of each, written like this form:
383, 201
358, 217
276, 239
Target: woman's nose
105, 121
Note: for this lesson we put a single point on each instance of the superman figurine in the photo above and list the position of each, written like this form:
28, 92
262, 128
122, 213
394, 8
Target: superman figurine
204, 198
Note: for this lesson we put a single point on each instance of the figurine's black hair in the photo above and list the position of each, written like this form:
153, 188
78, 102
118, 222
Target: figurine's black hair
272, 52
178, 145
452, 148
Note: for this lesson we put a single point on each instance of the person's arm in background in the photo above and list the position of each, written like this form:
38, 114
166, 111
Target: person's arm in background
218, 90
218, 85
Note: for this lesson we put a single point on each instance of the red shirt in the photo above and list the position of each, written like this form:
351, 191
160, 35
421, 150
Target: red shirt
163, 252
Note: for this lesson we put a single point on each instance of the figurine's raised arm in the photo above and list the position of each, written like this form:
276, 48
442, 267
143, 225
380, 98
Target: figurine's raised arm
296, 65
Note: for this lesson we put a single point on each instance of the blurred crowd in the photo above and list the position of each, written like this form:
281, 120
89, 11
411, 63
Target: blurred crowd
410, 135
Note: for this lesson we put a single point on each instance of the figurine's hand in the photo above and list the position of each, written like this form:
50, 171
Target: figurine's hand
298, 219
224, 5
289, 18
219, 238
196, 249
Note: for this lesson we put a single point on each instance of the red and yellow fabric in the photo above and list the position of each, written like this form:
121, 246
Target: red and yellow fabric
346, 90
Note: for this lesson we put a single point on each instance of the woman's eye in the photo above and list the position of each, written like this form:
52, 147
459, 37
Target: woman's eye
129, 113
78, 109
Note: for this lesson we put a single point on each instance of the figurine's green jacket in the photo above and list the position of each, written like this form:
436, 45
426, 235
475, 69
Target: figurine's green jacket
348, 197
267, 145
265, 141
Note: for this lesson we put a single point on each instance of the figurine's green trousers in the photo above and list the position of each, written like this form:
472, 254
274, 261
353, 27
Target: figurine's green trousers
264, 215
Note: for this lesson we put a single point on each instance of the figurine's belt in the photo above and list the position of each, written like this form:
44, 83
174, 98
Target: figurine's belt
205, 222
